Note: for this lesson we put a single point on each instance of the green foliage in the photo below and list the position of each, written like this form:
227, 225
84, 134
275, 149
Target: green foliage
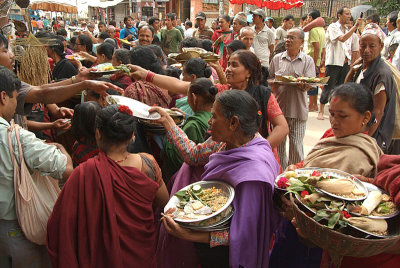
384, 7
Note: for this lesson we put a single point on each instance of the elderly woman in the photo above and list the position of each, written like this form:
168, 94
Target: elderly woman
378, 78
239, 21
121, 56
236, 154
104, 216
345, 146
244, 73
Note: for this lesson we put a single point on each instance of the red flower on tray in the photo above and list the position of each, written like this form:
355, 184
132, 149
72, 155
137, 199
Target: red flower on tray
282, 183
316, 173
304, 193
125, 110
346, 215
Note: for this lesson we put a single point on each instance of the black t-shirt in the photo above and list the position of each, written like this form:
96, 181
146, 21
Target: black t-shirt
63, 70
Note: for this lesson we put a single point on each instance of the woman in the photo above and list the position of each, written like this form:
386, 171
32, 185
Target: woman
222, 38
63, 69
83, 130
201, 97
104, 54
233, 46
244, 73
378, 78
104, 215
346, 147
144, 91
235, 154
84, 47
121, 56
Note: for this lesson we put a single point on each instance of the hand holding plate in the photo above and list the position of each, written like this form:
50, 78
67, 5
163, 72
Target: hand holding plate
166, 120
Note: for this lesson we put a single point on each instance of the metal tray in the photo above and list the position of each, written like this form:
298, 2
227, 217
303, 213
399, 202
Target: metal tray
139, 109
225, 222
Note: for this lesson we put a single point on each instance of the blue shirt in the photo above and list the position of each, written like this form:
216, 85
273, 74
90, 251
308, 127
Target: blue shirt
124, 33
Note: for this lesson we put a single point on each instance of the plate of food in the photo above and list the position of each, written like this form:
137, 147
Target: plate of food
126, 42
291, 80
333, 182
373, 227
104, 70
74, 57
139, 109
200, 201
157, 128
377, 205
222, 220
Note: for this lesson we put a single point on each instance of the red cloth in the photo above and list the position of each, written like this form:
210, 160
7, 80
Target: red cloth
271, 4
103, 218
388, 176
229, 38
82, 151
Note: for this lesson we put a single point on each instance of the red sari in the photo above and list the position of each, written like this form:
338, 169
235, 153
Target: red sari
103, 218
221, 48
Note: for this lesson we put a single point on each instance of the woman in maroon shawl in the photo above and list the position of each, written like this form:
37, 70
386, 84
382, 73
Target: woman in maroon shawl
104, 215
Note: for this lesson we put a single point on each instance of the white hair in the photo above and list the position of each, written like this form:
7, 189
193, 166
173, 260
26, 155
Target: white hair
247, 28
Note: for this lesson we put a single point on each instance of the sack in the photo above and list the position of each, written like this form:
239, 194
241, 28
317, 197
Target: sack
396, 77
35, 195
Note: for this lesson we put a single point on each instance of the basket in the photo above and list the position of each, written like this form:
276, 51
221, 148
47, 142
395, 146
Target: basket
339, 244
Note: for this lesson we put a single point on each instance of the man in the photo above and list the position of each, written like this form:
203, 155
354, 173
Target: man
102, 27
353, 44
203, 32
40, 24
170, 36
270, 23
315, 44
53, 160
189, 29
239, 21
177, 24
393, 33
337, 56
146, 35
292, 99
128, 33
247, 36
396, 57
155, 23
34, 25
264, 39
281, 32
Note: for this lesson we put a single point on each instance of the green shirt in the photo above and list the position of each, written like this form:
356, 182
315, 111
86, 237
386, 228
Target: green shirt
317, 34
195, 128
170, 40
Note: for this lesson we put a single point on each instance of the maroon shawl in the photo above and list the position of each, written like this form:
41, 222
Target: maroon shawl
388, 177
103, 218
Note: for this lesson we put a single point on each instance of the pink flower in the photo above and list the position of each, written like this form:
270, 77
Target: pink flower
283, 183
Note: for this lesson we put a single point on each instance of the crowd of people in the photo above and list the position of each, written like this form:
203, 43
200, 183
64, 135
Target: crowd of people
117, 176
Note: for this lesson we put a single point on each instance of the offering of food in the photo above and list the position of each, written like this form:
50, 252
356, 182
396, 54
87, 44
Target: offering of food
376, 226
175, 115
200, 202
126, 42
139, 109
316, 81
377, 205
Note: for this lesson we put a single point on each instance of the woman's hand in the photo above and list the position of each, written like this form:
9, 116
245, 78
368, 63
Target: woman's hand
291, 168
363, 178
178, 110
166, 120
175, 229
63, 112
101, 87
137, 72
76, 63
63, 124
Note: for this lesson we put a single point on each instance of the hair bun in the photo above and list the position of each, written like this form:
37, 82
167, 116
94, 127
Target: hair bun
213, 90
207, 71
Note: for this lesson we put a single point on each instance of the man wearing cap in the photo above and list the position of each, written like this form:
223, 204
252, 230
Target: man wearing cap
203, 32
264, 39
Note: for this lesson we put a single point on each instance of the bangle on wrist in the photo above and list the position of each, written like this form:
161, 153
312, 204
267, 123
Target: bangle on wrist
73, 78
149, 76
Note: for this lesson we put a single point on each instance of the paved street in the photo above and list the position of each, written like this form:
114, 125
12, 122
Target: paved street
315, 129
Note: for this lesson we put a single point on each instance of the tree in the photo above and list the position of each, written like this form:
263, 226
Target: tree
384, 7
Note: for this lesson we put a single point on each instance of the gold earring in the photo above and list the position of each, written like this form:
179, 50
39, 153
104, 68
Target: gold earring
363, 124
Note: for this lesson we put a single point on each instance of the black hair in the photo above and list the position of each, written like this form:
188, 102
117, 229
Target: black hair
58, 47
3, 41
172, 16
226, 18
104, 35
9, 81
101, 23
87, 42
189, 23
340, 11
122, 55
82, 123
358, 96
152, 20
314, 14
190, 42
288, 17
126, 19
236, 45
393, 47
72, 40
393, 18
198, 67
44, 34
241, 104
145, 58
173, 71
62, 32
113, 23
207, 45
61, 38
205, 88
106, 49
115, 127
304, 17
157, 51
374, 18
251, 63
151, 28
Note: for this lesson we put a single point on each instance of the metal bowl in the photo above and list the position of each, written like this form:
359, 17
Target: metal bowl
226, 189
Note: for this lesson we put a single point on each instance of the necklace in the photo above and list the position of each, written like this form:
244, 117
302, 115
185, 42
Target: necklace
120, 161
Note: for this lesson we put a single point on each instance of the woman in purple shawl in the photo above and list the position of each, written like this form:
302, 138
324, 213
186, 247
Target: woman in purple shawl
238, 155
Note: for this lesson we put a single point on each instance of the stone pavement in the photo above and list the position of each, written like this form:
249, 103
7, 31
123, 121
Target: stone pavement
315, 129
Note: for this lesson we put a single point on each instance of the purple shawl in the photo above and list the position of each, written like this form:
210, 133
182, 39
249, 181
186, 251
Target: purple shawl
251, 170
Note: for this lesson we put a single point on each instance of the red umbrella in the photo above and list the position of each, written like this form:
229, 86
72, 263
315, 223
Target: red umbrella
271, 4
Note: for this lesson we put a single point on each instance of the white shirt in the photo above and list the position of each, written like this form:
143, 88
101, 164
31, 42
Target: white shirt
336, 51
392, 38
353, 45
189, 32
396, 59
262, 41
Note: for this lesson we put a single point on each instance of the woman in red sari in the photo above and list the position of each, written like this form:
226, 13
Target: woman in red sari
104, 215
222, 38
